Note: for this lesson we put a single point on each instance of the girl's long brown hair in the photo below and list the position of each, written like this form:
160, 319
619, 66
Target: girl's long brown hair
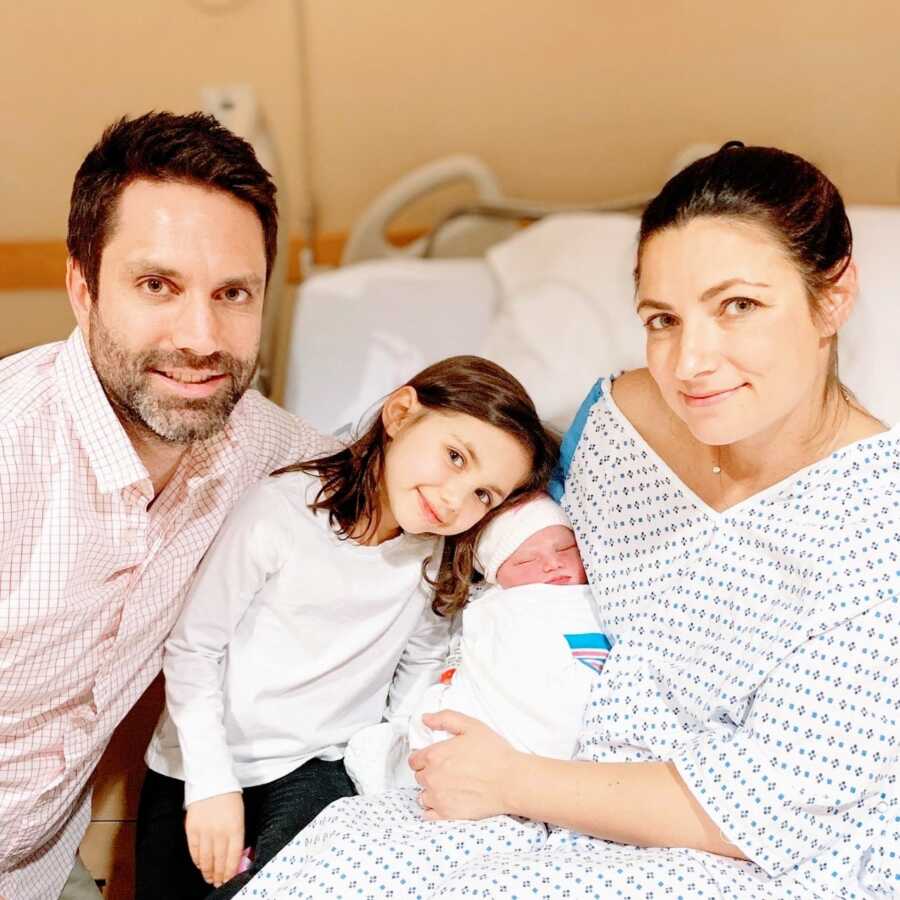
351, 478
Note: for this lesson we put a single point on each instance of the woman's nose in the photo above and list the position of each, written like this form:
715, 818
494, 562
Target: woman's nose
697, 351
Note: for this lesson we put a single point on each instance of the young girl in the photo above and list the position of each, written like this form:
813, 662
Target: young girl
310, 616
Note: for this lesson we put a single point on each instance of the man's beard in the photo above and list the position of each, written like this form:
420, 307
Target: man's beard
126, 378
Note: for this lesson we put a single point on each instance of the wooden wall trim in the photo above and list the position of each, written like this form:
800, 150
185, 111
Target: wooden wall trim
41, 265
32, 265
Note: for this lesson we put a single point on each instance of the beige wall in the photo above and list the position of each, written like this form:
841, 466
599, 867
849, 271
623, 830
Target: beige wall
566, 100
577, 99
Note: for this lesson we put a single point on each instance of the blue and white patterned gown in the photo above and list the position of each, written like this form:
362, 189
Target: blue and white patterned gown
757, 648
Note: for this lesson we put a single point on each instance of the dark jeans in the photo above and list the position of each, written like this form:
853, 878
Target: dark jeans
273, 814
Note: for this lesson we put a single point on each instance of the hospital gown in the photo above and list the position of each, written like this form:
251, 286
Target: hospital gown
756, 648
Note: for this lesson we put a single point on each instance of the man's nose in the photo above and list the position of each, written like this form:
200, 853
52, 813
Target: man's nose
195, 326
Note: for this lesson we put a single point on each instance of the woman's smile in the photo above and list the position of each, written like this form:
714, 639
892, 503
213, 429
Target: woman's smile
710, 398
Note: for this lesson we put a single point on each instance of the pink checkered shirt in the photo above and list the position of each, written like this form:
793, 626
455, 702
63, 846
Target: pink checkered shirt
91, 581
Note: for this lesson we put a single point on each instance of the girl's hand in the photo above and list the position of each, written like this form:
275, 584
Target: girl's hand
215, 835
467, 776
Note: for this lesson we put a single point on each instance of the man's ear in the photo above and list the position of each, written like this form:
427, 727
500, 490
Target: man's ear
79, 296
838, 302
400, 408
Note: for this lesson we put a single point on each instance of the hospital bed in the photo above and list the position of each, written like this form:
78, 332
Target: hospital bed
552, 302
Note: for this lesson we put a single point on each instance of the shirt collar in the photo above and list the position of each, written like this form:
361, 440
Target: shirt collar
112, 456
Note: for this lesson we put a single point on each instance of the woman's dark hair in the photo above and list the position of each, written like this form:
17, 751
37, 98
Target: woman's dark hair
161, 146
784, 194
470, 385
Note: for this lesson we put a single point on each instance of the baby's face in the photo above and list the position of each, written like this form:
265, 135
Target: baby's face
549, 556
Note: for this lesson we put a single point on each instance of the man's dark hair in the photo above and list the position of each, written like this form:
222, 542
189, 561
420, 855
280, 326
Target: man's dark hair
161, 146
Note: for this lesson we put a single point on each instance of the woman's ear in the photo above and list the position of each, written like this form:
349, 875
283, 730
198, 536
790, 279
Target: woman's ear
838, 302
400, 408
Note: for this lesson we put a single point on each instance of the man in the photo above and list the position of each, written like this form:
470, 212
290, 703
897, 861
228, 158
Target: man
121, 450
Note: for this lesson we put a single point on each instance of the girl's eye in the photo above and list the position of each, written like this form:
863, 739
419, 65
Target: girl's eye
660, 322
456, 458
484, 496
739, 306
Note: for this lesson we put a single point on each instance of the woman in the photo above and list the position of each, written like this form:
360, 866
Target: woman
737, 512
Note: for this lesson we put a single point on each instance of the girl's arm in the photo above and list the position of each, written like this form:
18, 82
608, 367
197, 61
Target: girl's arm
420, 665
478, 774
247, 551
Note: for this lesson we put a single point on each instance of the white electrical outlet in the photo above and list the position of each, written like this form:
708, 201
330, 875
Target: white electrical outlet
234, 105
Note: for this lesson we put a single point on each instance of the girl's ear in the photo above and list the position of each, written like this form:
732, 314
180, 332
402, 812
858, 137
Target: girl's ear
839, 302
400, 408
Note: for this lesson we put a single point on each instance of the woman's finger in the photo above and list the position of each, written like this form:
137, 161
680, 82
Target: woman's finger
450, 721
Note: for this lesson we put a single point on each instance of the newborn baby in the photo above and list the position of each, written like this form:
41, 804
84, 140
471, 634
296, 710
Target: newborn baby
527, 656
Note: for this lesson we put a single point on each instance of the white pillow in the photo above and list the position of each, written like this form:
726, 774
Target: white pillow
566, 313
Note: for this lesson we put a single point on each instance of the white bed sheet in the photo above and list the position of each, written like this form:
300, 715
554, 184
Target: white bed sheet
361, 331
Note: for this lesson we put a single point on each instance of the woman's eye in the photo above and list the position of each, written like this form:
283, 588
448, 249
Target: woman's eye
484, 496
739, 306
456, 458
660, 322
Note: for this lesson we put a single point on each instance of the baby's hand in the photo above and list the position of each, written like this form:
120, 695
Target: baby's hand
215, 835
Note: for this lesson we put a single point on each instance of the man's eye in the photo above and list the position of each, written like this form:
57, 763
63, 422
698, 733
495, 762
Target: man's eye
155, 285
235, 294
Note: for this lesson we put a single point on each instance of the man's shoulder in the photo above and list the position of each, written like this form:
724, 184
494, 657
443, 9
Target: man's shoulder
27, 385
274, 436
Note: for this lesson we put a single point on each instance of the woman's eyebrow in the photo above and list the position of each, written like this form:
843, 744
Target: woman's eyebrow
729, 283
706, 295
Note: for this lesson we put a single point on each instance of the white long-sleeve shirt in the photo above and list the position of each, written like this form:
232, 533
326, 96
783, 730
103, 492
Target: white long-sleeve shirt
291, 640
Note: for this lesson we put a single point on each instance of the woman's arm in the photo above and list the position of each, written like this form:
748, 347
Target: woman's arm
478, 774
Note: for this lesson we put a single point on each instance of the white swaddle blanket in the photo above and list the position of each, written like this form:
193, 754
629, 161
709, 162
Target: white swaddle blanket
528, 657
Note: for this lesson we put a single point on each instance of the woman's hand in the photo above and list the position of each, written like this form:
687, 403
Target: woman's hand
215, 835
468, 776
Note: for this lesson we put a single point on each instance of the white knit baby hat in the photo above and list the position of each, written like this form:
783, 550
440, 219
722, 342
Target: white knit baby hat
506, 532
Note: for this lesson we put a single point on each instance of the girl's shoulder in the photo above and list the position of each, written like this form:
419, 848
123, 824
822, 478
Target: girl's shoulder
277, 502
